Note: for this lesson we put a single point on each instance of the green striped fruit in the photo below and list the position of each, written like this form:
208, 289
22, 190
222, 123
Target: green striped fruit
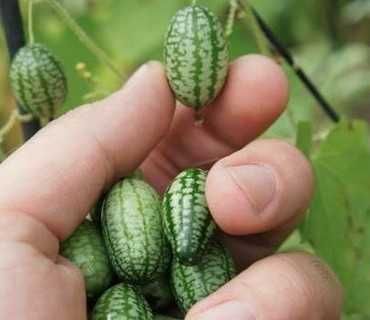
95, 212
196, 56
193, 283
187, 221
38, 81
85, 249
132, 230
122, 302
158, 293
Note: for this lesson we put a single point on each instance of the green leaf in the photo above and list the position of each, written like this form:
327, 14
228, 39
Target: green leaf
295, 242
304, 137
340, 213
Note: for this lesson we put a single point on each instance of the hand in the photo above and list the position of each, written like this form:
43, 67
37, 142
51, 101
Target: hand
257, 192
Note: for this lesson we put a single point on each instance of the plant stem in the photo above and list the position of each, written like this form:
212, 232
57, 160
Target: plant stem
13, 27
234, 6
84, 38
8, 125
31, 37
288, 57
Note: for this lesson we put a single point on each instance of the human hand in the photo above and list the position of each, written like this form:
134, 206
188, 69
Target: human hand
257, 192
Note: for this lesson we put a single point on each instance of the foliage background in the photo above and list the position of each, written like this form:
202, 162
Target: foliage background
330, 39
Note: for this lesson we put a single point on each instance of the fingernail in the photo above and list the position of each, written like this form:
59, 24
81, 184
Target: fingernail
257, 182
232, 310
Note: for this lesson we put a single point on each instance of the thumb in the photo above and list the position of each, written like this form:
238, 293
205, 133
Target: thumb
285, 286
58, 174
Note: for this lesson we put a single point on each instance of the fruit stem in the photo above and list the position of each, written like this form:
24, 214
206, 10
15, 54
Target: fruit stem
84, 38
31, 36
199, 118
234, 6
4, 130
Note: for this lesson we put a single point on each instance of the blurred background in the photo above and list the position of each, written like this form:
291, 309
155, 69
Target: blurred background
330, 40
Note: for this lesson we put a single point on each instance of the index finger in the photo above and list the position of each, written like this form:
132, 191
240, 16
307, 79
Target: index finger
254, 95
57, 175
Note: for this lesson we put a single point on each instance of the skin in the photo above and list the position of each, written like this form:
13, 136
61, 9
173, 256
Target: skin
257, 191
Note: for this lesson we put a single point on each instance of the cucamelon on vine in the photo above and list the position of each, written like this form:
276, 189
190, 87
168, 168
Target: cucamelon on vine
196, 56
38, 81
192, 283
132, 229
85, 248
187, 221
122, 302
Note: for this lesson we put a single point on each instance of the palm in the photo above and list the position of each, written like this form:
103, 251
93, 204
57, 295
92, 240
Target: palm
46, 195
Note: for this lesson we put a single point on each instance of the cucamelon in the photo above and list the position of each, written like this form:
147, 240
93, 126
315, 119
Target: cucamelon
95, 212
193, 283
158, 293
196, 56
85, 249
122, 302
132, 230
187, 221
38, 81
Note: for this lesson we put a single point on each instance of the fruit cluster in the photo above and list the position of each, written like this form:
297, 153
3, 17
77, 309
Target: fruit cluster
139, 254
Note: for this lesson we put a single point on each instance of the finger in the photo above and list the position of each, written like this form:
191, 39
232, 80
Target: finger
286, 286
58, 175
255, 94
259, 194
259, 188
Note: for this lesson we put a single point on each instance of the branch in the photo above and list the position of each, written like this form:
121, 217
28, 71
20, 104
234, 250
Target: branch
288, 57
13, 28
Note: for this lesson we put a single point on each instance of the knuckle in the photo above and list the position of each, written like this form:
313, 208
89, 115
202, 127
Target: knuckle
314, 279
296, 279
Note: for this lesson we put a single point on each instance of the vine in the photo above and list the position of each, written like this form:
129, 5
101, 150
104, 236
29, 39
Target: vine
289, 59
83, 37
234, 6
31, 37
14, 116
